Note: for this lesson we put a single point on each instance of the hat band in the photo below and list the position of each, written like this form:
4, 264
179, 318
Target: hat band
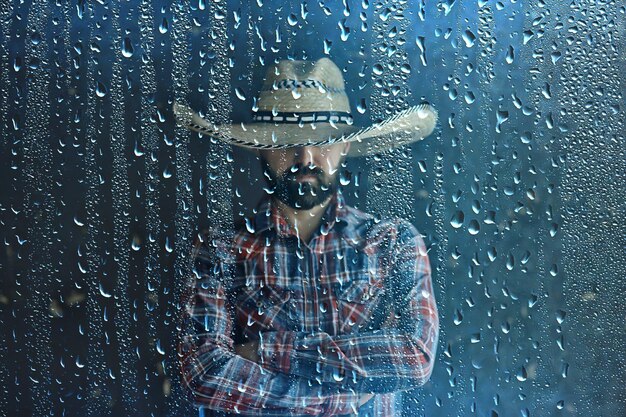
291, 84
304, 117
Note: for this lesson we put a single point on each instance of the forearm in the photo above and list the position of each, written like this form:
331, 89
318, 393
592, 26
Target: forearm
336, 404
222, 380
378, 361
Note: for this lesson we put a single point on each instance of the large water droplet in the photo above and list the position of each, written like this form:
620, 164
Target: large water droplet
103, 292
447, 6
249, 226
361, 106
510, 55
327, 45
458, 316
240, 94
457, 219
501, 116
469, 38
164, 26
127, 48
474, 227
101, 90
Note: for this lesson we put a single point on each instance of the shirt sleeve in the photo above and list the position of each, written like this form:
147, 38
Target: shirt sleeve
221, 380
398, 356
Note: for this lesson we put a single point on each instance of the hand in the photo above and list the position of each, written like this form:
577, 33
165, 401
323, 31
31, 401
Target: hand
248, 351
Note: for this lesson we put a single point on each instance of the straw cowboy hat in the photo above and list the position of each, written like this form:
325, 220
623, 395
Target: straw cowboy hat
304, 103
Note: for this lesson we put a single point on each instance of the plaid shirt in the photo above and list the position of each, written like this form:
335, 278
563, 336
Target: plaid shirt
348, 313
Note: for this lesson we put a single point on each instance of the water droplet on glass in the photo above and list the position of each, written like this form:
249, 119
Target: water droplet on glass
474, 227
553, 229
361, 106
458, 316
168, 245
103, 292
510, 262
505, 327
337, 377
138, 151
127, 48
159, 348
457, 219
249, 225
528, 35
101, 90
510, 55
327, 45
501, 116
35, 38
164, 26
469, 38
239, 93
447, 6
17, 64
345, 30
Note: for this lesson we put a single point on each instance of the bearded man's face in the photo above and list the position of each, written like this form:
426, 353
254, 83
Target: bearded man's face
304, 177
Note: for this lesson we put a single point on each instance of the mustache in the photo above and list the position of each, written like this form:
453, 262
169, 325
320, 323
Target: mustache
300, 170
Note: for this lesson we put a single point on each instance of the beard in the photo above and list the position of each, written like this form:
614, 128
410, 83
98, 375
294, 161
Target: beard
300, 195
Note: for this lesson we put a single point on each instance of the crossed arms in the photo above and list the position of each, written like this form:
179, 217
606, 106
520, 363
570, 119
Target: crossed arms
300, 373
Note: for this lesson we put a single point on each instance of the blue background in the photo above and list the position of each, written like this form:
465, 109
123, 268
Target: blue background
102, 194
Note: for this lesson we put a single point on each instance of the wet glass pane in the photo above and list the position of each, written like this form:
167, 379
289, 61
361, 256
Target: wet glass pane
369, 208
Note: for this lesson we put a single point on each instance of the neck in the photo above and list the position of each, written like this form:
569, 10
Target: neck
304, 221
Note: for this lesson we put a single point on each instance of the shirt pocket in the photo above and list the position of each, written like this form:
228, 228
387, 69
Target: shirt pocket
356, 302
263, 309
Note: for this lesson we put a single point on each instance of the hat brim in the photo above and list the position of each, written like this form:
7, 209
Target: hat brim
410, 125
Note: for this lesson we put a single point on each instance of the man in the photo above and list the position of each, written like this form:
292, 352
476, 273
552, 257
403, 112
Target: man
314, 308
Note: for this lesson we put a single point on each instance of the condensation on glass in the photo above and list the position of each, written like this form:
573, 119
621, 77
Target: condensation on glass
519, 193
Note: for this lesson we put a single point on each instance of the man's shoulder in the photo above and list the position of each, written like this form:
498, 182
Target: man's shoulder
212, 244
368, 229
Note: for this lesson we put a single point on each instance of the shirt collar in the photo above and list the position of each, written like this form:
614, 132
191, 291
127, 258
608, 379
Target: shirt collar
268, 218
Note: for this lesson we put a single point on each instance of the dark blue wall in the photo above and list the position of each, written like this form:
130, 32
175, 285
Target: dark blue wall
101, 193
